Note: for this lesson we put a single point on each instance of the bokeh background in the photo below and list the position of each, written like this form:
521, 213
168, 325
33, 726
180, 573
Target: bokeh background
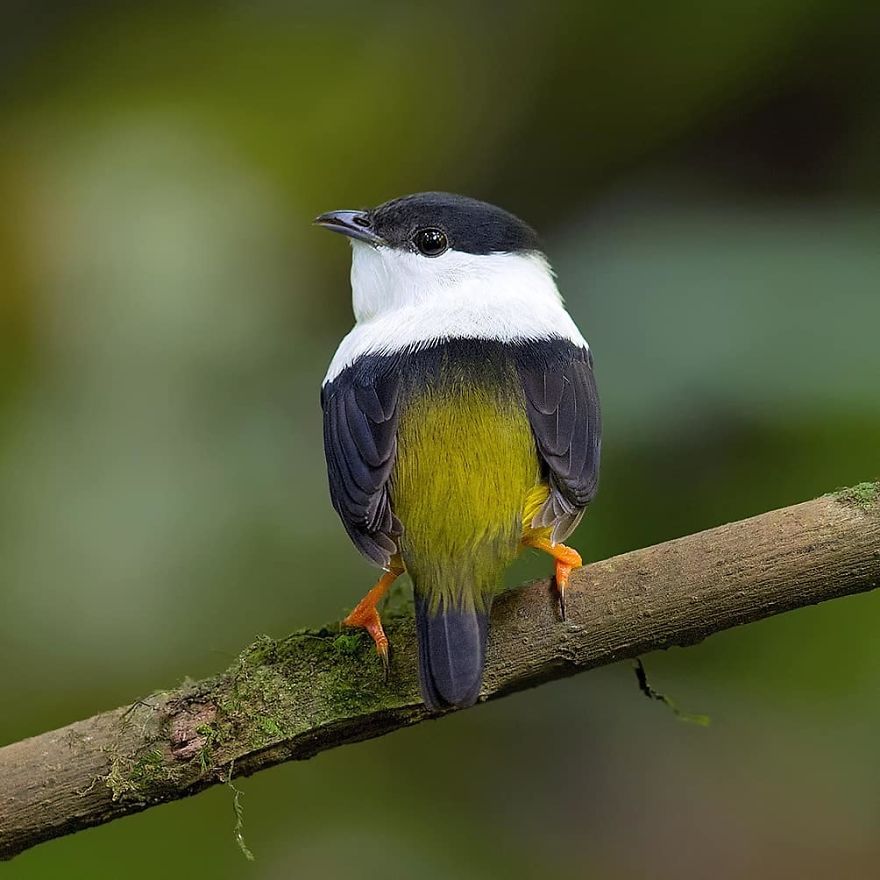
707, 183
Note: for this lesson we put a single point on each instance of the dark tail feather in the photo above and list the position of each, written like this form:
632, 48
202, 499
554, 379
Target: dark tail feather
452, 654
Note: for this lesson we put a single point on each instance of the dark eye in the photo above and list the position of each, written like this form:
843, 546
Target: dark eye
431, 242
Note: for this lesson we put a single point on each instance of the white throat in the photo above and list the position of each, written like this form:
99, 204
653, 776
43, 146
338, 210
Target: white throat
406, 301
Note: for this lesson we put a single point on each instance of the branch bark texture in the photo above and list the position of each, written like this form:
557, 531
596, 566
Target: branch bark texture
291, 698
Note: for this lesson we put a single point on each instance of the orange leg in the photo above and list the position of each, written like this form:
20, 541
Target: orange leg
566, 561
366, 615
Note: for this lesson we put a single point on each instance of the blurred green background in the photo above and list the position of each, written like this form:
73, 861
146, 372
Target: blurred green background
707, 183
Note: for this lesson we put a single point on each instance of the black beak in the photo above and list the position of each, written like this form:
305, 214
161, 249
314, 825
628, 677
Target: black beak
354, 224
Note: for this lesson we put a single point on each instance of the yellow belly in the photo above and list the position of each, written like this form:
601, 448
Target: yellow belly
466, 471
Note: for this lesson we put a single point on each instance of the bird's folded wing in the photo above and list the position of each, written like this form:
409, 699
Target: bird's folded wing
563, 409
360, 443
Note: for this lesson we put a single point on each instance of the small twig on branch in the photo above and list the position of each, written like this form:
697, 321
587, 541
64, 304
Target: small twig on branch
289, 699
652, 694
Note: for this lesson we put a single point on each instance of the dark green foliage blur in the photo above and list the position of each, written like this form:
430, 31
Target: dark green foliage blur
705, 177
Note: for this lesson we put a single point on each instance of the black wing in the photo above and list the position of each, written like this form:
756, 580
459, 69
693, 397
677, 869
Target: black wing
360, 443
563, 408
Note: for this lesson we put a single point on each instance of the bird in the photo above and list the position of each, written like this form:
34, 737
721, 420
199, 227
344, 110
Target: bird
461, 420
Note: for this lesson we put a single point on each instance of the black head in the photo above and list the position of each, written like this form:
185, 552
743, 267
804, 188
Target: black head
432, 223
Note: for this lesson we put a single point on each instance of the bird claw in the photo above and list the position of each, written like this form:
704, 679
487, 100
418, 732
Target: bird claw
368, 618
563, 570
567, 559
382, 651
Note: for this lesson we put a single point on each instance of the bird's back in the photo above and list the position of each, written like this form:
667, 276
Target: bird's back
466, 462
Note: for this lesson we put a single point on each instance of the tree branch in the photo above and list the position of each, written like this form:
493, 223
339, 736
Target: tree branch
289, 699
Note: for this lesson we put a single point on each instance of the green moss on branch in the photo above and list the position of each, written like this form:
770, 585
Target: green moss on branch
863, 495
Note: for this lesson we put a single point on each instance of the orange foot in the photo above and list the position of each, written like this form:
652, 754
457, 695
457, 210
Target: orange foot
366, 615
566, 561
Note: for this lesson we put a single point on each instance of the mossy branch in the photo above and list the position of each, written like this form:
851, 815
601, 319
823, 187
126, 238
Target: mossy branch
289, 699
